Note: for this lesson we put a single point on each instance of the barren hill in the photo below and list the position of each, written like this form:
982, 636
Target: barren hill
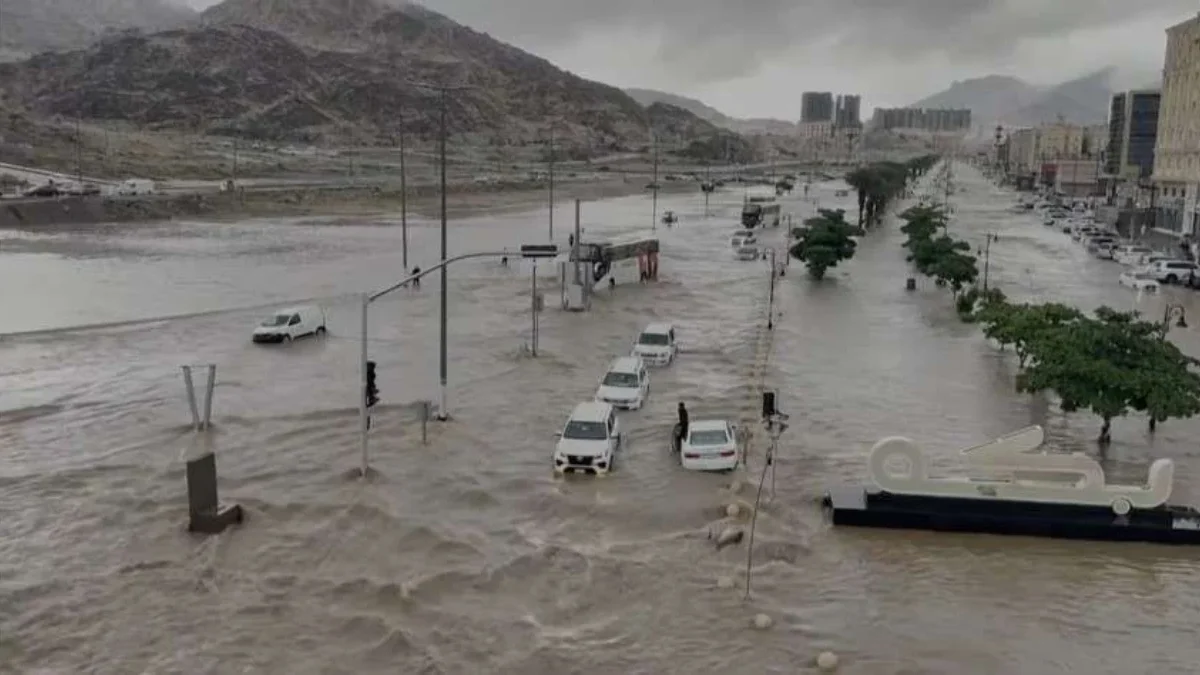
326, 70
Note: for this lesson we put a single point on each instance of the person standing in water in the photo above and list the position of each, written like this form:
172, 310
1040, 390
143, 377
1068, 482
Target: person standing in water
682, 427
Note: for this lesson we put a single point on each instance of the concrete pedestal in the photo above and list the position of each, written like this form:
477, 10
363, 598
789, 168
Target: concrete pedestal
206, 514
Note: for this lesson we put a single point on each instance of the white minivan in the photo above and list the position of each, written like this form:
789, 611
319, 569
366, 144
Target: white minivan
288, 324
589, 441
626, 383
656, 344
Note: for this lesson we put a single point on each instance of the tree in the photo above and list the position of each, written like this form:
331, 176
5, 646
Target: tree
1081, 362
956, 270
1022, 325
926, 254
1111, 364
826, 242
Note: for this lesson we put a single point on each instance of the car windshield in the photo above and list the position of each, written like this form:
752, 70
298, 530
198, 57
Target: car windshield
277, 320
617, 379
1143, 275
585, 431
708, 437
653, 339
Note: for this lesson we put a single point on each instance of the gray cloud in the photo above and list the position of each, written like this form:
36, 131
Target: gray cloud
711, 40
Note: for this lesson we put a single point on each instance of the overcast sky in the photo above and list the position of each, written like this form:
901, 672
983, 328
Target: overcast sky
753, 58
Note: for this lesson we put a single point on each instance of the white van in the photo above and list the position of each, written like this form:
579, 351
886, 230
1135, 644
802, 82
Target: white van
589, 440
656, 344
290, 323
626, 384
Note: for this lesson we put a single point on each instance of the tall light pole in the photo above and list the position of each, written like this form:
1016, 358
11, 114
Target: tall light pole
987, 257
443, 365
654, 183
403, 198
550, 161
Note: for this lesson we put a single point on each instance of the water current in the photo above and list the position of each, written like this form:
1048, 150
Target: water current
466, 555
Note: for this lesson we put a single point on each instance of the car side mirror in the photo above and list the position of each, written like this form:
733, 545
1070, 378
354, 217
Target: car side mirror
558, 434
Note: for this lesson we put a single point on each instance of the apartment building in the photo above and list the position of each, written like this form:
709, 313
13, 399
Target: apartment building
1132, 134
1177, 147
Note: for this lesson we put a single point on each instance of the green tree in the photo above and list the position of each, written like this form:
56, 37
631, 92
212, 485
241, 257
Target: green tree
1022, 325
825, 242
1081, 362
956, 270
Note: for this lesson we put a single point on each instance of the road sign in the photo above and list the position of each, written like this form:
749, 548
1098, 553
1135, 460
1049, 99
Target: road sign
539, 250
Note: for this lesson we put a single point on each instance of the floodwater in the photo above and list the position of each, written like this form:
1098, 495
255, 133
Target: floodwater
465, 555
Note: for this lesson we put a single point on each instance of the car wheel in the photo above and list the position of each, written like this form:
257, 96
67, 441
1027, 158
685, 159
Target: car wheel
287, 337
1171, 279
320, 330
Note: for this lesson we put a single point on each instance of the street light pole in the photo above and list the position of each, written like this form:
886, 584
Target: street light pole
403, 199
654, 183
443, 365
1171, 311
987, 257
551, 158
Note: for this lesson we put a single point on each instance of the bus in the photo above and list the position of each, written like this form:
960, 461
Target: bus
622, 260
761, 209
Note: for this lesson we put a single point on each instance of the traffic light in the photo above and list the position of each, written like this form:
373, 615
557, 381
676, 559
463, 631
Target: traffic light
372, 391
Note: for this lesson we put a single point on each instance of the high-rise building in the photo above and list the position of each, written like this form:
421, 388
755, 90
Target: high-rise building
1177, 141
922, 119
848, 111
816, 106
1132, 134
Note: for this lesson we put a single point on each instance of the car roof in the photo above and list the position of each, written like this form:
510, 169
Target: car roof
658, 328
625, 363
591, 411
294, 310
707, 425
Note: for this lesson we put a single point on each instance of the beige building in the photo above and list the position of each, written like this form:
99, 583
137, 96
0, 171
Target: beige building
816, 129
1022, 151
1177, 148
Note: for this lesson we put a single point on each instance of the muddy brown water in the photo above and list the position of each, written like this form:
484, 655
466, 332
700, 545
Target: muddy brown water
466, 555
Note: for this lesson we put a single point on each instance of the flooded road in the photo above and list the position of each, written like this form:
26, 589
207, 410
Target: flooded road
466, 555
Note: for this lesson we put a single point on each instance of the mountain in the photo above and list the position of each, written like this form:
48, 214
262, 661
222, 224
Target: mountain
325, 70
998, 99
706, 112
1082, 101
649, 97
32, 26
686, 134
989, 98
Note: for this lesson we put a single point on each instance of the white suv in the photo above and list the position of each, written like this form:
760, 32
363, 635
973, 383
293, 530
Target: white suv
656, 344
589, 441
1172, 271
626, 383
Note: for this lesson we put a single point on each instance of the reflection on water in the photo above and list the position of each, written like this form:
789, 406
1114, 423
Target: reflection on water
467, 556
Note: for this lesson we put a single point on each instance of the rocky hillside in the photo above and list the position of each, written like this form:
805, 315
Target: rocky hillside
1013, 102
683, 133
32, 26
324, 70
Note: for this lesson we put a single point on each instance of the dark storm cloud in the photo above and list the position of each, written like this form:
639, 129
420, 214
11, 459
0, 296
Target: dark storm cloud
718, 39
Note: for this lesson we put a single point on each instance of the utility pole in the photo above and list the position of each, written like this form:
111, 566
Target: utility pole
78, 150
443, 365
987, 257
654, 183
235, 161
551, 158
403, 201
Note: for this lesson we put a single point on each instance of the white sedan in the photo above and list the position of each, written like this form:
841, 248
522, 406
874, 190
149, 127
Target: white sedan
710, 445
1140, 280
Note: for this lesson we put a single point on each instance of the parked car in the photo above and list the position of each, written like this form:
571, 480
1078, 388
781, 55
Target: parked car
1172, 271
1131, 254
1139, 281
45, 190
710, 445
656, 344
743, 238
626, 383
288, 324
748, 253
589, 441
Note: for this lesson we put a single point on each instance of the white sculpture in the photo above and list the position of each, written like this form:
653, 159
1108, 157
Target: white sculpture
1009, 469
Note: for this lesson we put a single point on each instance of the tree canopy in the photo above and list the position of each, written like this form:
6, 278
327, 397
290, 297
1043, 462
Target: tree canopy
881, 183
824, 241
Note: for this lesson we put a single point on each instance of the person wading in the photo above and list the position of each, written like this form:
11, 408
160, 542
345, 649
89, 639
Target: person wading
682, 427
